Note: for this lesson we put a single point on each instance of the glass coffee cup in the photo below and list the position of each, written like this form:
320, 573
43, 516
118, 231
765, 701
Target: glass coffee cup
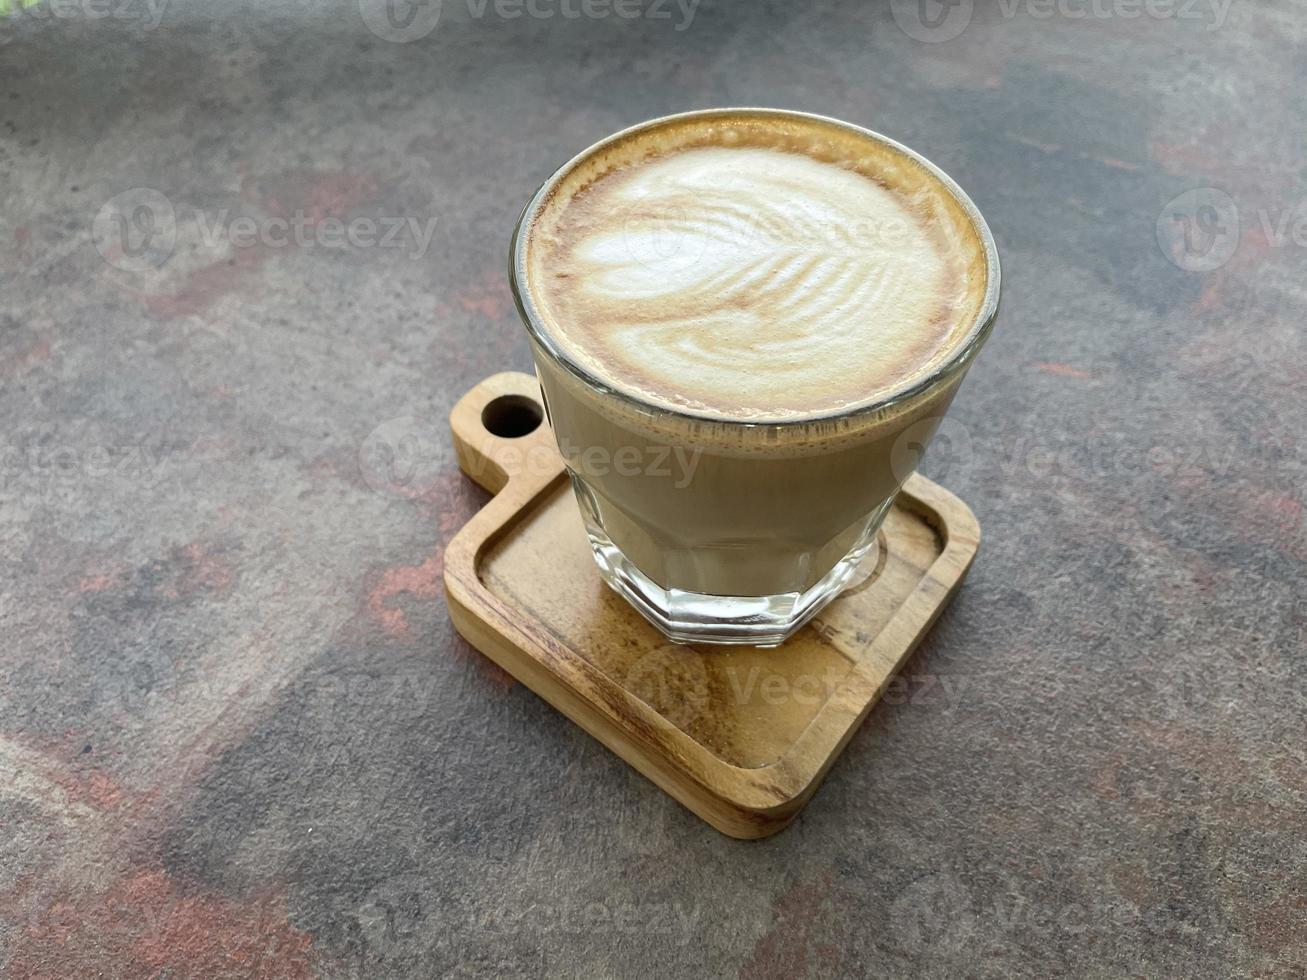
745, 340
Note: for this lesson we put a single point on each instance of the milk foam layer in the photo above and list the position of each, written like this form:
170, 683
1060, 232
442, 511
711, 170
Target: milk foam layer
751, 272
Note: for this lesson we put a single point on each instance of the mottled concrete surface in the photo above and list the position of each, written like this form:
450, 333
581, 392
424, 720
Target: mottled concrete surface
238, 735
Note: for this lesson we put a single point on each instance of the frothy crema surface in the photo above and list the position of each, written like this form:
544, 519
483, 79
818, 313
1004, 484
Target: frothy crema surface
752, 266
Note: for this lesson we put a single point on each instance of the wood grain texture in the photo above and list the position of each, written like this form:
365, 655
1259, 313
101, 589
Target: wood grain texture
741, 736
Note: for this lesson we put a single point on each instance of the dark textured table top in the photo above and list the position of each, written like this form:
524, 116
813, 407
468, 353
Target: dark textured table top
238, 735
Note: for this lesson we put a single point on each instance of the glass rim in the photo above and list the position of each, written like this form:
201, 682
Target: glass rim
976, 334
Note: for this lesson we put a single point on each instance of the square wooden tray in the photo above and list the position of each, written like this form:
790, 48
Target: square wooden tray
741, 736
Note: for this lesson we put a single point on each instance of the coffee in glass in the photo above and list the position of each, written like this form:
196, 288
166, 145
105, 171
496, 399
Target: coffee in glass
747, 324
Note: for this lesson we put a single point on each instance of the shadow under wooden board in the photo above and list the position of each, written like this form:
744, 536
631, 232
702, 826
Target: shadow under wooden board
740, 736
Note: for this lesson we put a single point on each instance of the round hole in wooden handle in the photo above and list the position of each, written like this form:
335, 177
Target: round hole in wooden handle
512, 416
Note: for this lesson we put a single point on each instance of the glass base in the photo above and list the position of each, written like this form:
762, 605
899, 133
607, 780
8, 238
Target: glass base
756, 621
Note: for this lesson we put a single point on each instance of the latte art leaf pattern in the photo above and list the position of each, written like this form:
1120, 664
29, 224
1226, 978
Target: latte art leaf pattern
750, 277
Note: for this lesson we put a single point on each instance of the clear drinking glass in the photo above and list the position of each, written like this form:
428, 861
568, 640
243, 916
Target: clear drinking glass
721, 531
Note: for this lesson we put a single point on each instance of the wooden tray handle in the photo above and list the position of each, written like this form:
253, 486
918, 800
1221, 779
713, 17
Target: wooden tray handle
500, 432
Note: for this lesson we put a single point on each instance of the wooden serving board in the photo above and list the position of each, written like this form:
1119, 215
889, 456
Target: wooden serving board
741, 736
